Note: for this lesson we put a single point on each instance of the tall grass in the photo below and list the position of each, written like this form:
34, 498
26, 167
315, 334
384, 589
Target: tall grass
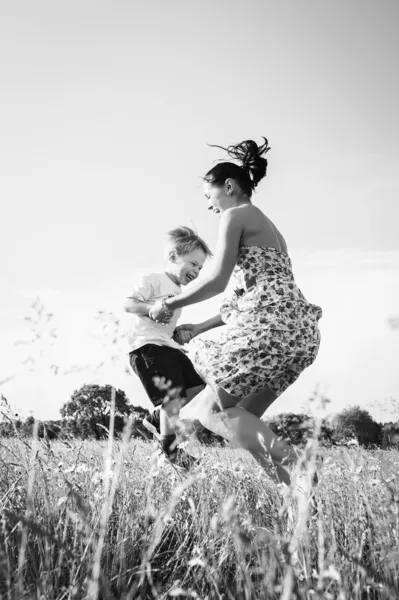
110, 520
113, 521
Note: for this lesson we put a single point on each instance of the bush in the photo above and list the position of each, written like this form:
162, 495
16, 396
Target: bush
357, 423
390, 435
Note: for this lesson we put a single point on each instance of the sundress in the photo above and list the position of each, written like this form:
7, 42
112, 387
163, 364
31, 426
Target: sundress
271, 333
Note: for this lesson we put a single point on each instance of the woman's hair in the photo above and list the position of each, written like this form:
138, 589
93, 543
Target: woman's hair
248, 173
183, 240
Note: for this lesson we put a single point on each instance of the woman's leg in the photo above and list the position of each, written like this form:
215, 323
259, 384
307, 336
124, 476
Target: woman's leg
192, 392
221, 413
174, 406
258, 403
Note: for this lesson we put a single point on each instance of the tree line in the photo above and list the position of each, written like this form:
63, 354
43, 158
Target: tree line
87, 415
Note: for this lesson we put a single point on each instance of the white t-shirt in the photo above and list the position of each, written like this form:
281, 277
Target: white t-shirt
142, 330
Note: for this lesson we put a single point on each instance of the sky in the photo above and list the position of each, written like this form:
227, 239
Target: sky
106, 112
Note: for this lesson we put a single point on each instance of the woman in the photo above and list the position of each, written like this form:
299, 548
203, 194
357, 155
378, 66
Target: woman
271, 331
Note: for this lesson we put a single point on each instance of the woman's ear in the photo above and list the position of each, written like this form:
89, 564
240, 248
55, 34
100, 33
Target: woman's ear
229, 186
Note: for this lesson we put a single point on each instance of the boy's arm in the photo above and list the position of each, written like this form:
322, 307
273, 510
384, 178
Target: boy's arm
137, 307
137, 302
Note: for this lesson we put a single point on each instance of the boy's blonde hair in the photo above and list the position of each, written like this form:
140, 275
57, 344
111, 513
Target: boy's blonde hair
182, 240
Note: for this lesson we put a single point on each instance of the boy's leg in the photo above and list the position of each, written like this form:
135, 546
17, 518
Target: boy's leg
194, 384
192, 381
158, 424
166, 427
167, 438
153, 423
153, 362
188, 384
149, 362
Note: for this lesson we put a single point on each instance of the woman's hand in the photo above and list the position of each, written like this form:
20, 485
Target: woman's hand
160, 313
185, 333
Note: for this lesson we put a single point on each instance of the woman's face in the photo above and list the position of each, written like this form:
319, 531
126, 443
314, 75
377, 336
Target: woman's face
219, 198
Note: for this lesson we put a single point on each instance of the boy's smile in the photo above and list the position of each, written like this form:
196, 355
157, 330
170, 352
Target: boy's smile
185, 268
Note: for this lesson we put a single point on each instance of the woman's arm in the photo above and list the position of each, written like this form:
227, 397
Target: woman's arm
186, 332
227, 247
211, 323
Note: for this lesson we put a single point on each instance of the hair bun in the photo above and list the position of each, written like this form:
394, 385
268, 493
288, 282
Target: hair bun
250, 155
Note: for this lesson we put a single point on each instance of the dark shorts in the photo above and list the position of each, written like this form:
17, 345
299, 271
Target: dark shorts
152, 361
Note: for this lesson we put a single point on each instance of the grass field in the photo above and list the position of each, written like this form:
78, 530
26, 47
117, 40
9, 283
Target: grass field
89, 520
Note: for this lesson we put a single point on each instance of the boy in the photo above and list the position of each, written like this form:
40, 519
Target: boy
153, 353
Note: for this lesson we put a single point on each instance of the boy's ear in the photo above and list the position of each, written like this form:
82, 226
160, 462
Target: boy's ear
172, 256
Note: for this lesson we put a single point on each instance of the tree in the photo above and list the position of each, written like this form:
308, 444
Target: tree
52, 429
355, 422
327, 432
27, 427
89, 408
292, 427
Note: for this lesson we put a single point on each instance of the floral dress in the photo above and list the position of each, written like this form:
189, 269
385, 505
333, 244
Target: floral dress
271, 333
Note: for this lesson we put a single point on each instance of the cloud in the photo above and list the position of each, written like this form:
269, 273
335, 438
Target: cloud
348, 259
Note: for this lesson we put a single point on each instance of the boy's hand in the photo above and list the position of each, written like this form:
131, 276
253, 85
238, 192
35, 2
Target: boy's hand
186, 332
182, 336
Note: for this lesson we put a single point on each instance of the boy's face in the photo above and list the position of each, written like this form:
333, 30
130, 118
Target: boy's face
187, 267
